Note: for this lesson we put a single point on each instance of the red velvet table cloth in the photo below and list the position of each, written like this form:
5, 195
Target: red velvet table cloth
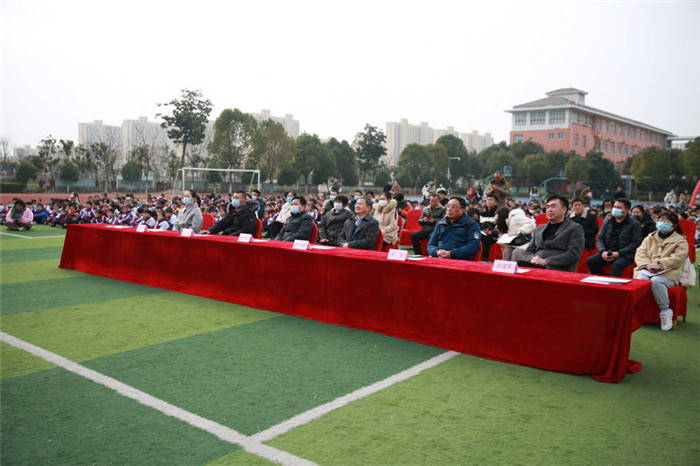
542, 318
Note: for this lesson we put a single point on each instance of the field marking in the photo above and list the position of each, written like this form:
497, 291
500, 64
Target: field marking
220, 431
30, 237
318, 411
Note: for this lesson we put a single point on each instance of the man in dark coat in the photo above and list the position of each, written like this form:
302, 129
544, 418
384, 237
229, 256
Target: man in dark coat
362, 231
618, 241
299, 225
239, 219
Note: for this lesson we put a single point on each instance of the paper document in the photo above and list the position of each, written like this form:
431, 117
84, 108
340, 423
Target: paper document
605, 280
321, 246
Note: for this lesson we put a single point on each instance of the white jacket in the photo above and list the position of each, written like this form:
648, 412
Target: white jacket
518, 222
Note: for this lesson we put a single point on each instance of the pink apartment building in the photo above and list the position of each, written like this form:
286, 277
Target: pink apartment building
562, 120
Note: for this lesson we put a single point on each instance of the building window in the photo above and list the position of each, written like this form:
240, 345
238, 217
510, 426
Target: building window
604, 147
627, 151
575, 140
550, 136
597, 125
560, 135
612, 127
537, 118
574, 117
518, 138
557, 116
521, 118
583, 142
605, 126
619, 148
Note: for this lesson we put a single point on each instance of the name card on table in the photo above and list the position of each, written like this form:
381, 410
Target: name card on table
397, 255
505, 266
186, 232
300, 244
245, 238
141, 228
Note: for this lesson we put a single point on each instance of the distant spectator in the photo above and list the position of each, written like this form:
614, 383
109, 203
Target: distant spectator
19, 217
645, 221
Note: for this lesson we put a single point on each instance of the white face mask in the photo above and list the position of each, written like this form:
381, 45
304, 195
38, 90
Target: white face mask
383, 202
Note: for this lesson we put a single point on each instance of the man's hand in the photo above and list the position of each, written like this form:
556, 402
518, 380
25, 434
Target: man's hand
537, 260
344, 245
444, 254
323, 241
204, 232
653, 268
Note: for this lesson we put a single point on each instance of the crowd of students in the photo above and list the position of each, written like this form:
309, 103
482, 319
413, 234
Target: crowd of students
458, 228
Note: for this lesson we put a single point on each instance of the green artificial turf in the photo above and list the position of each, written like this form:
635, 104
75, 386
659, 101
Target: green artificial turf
29, 296
254, 376
241, 458
92, 330
30, 254
27, 244
33, 271
37, 230
55, 417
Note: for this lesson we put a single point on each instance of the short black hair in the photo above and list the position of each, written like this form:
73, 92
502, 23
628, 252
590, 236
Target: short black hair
564, 201
491, 194
342, 198
626, 202
578, 199
462, 202
302, 200
434, 195
245, 194
370, 193
256, 192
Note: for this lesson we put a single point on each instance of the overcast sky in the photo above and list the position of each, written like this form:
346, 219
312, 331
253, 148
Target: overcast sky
338, 66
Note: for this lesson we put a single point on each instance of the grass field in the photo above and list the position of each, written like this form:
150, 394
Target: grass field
251, 370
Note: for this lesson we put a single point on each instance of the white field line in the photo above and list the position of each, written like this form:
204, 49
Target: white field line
30, 237
222, 432
315, 413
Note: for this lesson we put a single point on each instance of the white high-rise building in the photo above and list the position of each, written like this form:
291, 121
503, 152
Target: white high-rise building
141, 132
290, 125
400, 134
96, 132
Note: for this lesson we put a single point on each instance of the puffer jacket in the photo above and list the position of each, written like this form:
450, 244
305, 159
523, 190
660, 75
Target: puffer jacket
332, 224
670, 253
518, 222
461, 238
298, 226
387, 217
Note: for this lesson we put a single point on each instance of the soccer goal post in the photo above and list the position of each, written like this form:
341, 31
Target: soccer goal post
254, 180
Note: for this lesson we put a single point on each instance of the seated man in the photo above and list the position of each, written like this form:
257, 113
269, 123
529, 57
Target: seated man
362, 231
558, 244
333, 221
589, 222
432, 214
41, 214
298, 225
19, 217
239, 218
456, 236
618, 241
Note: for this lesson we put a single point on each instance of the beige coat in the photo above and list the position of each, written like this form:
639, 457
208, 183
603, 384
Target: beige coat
670, 253
388, 221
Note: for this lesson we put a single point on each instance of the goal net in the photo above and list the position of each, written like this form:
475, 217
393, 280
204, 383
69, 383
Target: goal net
188, 177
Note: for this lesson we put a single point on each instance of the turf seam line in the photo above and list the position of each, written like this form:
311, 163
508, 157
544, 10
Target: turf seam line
30, 237
220, 431
318, 411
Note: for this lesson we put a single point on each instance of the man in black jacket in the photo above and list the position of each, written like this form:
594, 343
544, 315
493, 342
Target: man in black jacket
361, 232
299, 225
333, 221
239, 219
581, 214
618, 241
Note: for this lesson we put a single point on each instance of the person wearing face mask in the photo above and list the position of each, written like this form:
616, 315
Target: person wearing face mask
618, 240
283, 214
356, 196
239, 218
660, 259
645, 221
332, 222
386, 215
328, 203
190, 216
256, 196
299, 223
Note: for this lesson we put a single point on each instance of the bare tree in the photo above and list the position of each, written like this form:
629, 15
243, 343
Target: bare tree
4, 148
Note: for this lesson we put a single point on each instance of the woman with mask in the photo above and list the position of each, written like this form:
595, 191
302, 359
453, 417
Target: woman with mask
386, 215
283, 215
644, 219
190, 216
331, 225
660, 259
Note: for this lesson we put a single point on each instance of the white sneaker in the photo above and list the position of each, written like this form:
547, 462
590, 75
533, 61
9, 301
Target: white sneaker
666, 319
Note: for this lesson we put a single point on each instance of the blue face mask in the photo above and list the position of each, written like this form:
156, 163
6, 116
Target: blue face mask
289, 199
664, 227
332, 197
337, 205
187, 200
357, 197
294, 209
253, 197
617, 212
236, 202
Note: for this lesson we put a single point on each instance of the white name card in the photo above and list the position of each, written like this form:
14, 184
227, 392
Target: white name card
505, 266
186, 232
397, 255
245, 238
141, 228
300, 244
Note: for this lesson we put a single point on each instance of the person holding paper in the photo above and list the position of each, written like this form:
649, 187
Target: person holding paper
618, 240
239, 219
456, 236
660, 259
360, 232
191, 215
556, 245
298, 224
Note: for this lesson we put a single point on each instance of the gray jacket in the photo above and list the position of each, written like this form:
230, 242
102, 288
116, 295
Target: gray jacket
562, 251
189, 217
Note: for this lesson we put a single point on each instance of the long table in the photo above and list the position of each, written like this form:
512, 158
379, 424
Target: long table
545, 319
